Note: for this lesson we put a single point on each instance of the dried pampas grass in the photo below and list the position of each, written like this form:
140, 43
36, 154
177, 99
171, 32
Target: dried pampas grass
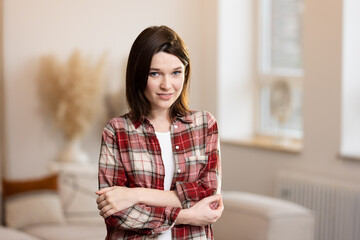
71, 93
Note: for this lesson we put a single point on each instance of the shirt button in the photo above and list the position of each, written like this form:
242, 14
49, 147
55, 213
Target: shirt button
177, 147
175, 126
179, 170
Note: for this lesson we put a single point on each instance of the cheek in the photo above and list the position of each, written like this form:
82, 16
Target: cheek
149, 87
180, 85
147, 92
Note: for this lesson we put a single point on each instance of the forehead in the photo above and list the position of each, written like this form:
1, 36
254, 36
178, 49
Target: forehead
163, 60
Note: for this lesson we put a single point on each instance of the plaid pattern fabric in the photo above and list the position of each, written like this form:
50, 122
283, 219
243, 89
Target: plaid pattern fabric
131, 156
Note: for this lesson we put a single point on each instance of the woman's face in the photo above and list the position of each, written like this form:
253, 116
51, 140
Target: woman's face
165, 81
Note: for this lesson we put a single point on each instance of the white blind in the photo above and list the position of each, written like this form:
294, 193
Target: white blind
281, 58
285, 33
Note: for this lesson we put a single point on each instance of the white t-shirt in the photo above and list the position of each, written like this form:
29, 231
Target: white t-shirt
169, 165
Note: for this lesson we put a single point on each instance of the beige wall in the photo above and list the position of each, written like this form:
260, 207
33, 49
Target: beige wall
2, 110
2, 104
38, 27
95, 26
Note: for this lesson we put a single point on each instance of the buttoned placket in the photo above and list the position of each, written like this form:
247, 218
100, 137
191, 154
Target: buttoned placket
152, 138
150, 131
174, 129
149, 128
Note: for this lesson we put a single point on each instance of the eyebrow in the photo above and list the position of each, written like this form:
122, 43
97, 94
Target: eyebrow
158, 69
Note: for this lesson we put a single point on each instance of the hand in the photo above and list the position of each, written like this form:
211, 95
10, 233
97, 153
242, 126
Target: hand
114, 199
203, 212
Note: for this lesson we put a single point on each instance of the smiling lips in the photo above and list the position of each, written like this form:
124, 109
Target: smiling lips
165, 96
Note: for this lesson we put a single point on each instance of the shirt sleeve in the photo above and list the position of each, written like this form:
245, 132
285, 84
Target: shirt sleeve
144, 219
209, 181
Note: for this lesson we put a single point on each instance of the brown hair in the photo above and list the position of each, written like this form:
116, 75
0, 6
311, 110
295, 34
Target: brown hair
149, 42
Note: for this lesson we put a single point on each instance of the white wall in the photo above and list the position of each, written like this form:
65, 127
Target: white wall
33, 28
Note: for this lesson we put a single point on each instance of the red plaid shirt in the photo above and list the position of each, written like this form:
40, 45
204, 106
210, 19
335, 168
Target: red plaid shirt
131, 156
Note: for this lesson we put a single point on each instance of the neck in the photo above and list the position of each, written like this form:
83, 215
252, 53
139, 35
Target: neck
160, 120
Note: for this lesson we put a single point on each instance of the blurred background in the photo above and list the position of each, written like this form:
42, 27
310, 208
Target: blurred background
279, 76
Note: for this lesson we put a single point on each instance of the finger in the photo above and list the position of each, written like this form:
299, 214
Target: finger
102, 204
213, 198
221, 203
105, 209
109, 213
215, 201
100, 199
218, 196
217, 213
103, 190
219, 210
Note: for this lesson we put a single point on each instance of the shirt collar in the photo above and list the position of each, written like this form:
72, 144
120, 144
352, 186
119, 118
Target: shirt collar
188, 118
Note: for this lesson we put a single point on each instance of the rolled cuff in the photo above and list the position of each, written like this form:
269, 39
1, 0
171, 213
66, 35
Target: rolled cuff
153, 224
192, 192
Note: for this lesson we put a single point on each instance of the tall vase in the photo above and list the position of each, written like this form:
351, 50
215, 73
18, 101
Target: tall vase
73, 153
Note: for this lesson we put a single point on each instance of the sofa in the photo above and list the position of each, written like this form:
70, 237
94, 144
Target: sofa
61, 206
250, 216
9, 233
55, 232
57, 206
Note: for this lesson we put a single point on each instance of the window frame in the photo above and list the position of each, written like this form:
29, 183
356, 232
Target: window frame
265, 76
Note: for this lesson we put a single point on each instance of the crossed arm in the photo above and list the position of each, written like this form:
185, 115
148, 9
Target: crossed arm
114, 199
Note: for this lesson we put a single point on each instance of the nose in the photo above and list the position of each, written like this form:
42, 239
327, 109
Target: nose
166, 82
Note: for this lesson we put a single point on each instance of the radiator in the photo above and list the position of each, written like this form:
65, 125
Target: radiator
335, 204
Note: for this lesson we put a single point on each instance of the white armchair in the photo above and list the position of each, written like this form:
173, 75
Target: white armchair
255, 217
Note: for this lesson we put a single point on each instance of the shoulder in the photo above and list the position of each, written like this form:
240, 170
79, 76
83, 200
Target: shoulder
117, 123
203, 118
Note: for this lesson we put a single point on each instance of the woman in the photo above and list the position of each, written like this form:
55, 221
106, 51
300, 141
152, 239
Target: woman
159, 166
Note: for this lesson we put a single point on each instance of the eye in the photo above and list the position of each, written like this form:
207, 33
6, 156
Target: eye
177, 73
153, 74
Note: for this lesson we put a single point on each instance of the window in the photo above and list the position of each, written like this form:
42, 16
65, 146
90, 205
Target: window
350, 129
259, 54
280, 71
